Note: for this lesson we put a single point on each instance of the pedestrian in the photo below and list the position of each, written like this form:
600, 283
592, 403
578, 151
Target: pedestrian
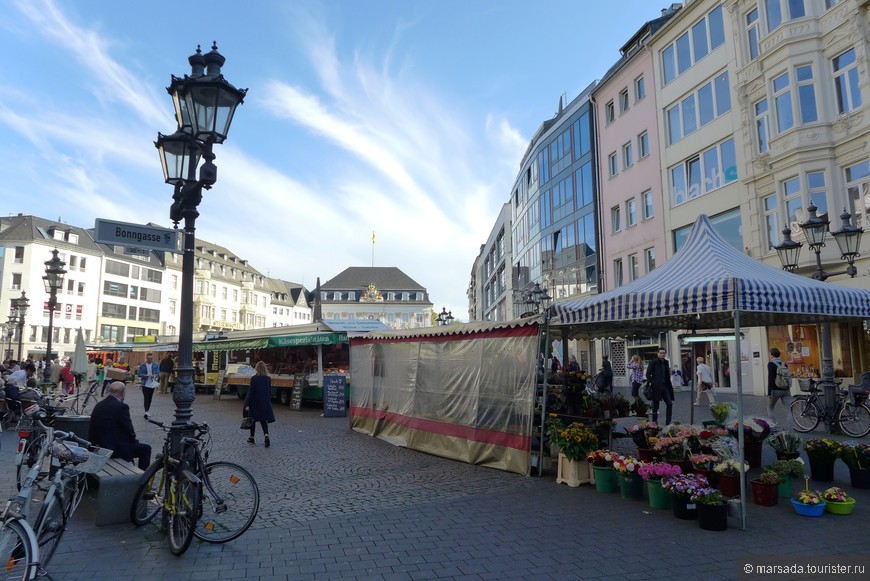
112, 428
258, 402
636, 377
67, 378
774, 392
106, 379
148, 373
166, 369
607, 370
658, 374
705, 382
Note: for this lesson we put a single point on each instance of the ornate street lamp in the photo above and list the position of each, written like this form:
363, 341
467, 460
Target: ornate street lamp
21, 306
53, 280
848, 239
445, 317
10, 326
204, 107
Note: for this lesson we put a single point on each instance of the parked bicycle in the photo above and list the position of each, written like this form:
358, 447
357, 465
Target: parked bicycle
214, 501
25, 550
34, 438
808, 410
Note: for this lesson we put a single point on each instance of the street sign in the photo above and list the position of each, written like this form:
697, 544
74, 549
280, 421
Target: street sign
135, 235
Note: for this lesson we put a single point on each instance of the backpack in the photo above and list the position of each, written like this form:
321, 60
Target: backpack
783, 376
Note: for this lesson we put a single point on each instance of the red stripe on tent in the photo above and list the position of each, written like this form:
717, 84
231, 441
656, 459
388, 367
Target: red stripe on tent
525, 331
494, 437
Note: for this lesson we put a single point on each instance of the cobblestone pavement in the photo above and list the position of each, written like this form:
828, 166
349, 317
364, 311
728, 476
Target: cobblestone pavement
340, 505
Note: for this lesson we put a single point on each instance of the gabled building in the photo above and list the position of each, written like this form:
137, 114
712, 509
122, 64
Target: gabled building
289, 304
379, 293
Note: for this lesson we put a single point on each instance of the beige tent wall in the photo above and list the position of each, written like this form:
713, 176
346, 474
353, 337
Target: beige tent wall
465, 397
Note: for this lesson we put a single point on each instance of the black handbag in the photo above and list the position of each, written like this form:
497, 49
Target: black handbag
247, 423
647, 391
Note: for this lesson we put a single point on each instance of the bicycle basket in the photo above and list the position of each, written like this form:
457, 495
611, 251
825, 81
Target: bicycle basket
804, 383
81, 459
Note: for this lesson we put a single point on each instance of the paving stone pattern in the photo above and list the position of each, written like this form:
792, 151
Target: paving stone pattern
336, 504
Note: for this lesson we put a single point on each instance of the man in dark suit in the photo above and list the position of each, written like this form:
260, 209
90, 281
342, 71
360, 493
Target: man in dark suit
658, 374
112, 428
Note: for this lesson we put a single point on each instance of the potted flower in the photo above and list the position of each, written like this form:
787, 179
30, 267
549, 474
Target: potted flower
683, 487
837, 501
704, 463
641, 434
602, 465
721, 410
765, 488
574, 443
808, 502
728, 472
676, 443
787, 445
755, 431
709, 437
822, 453
712, 509
630, 482
653, 473
787, 469
857, 458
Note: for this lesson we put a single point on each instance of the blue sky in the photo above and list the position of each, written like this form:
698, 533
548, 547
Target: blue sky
406, 118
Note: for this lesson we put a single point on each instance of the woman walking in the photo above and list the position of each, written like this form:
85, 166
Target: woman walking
636, 367
258, 402
705, 382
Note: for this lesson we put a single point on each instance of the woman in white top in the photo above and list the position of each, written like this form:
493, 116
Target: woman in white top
705, 382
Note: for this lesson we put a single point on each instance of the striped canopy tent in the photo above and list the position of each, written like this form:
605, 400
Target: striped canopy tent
708, 284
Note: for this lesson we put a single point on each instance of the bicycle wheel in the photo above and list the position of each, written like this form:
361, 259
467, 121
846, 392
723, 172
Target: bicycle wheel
17, 552
230, 502
91, 394
182, 519
149, 496
804, 414
854, 420
49, 528
30, 456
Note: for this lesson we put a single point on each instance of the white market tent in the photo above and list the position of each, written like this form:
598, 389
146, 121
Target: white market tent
708, 284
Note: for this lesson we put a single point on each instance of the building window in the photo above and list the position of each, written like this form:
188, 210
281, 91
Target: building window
696, 110
752, 33
633, 267
627, 157
762, 132
618, 279
615, 221
631, 212
19, 255
806, 93
771, 221
81, 289
699, 175
643, 144
817, 192
16, 281
639, 89
623, 101
858, 188
848, 93
112, 333
794, 203
118, 268
649, 257
114, 310
612, 164
609, 112
114, 289
151, 315
646, 201
706, 35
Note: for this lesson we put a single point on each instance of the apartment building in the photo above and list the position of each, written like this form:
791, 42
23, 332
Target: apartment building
494, 263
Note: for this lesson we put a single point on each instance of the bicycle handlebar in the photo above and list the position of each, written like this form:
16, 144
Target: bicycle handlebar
166, 427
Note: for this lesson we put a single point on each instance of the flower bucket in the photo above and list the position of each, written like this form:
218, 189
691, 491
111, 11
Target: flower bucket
788, 455
808, 509
729, 485
605, 479
822, 469
835, 507
658, 496
785, 488
685, 465
764, 494
752, 452
683, 509
631, 486
713, 517
646, 455
572, 472
860, 478
711, 476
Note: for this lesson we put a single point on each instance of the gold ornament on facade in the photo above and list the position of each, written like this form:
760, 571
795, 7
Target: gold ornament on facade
371, 295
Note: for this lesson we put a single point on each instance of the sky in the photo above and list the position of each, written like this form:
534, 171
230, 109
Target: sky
407, 119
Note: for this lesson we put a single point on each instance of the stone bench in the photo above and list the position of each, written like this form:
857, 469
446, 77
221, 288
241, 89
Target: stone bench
117, 482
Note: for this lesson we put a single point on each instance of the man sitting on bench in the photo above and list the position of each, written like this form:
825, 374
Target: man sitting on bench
112, 428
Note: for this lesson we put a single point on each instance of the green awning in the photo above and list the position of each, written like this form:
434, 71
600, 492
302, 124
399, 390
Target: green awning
308, 339
231, 345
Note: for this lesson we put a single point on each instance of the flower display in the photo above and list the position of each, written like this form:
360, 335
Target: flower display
708, 495
835, 494
785, 442
770, 477
601, 457
685, 485
855, 455
574, 440
730, 467
641, 433
788, 468
658, 470
704, 461
708, 436
809, 497
721, 411
823, 448
756, 428
677, 442
626, 464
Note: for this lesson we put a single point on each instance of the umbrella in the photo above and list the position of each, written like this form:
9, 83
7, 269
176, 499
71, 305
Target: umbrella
80, 358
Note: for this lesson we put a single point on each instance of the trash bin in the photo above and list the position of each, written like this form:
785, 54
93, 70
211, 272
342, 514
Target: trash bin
78, 425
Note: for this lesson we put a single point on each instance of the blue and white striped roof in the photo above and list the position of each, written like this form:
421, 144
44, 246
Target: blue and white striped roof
702, 286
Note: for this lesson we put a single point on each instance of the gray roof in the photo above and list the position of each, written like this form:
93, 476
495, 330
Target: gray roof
24, 229
386, 278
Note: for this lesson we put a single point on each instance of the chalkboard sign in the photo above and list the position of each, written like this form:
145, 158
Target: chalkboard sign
334, 396
296, 394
